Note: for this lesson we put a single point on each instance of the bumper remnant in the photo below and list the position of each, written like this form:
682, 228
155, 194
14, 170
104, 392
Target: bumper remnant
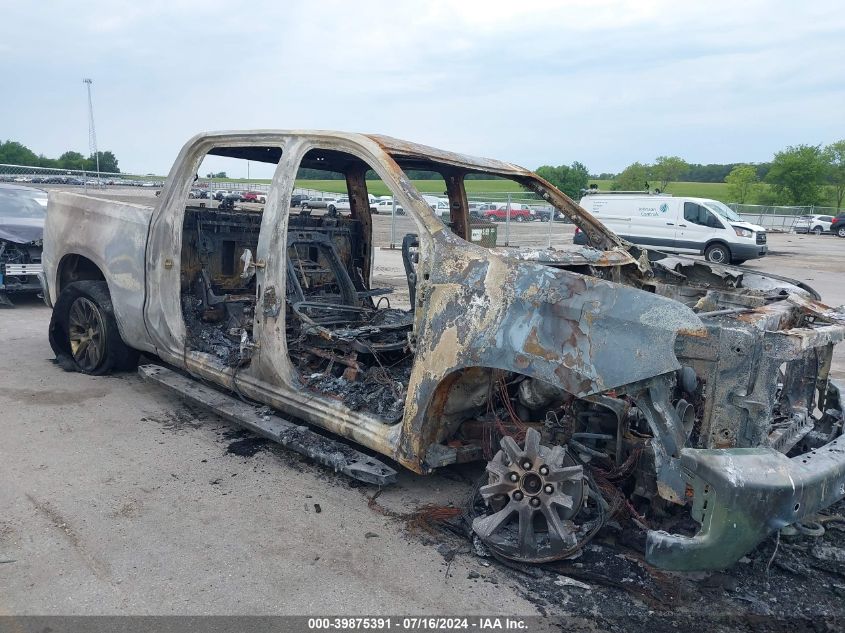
742, 495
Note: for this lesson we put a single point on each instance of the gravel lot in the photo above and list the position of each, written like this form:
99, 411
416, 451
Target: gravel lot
118, 498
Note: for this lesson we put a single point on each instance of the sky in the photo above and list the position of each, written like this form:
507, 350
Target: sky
603, 82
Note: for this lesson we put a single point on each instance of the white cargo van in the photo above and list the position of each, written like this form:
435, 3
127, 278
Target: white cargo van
678, 225
439, 205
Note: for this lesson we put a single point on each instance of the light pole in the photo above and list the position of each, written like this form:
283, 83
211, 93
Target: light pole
92, 134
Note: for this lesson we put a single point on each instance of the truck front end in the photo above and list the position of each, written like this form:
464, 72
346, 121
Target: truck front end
763, 446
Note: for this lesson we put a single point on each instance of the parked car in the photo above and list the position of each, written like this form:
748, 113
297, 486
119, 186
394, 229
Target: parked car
690, 394
386, 207
440, 206
678, 224
518, 213
22, 213
230, 199
254, 196
837, 225
297, 199
318, 202
343, 204
817, 224
544, 214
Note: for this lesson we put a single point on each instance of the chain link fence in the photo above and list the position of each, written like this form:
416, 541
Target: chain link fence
518, 218
521, 218
515, 218
75, 177
778, 218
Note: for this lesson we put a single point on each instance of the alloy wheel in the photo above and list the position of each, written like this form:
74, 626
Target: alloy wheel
86, 333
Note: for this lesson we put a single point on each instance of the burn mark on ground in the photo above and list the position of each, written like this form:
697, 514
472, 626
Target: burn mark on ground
178, 419
244, 444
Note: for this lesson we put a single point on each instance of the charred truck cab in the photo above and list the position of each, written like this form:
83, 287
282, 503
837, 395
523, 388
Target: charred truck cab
593, 381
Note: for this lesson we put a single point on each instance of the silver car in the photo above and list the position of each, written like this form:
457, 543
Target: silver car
817, 224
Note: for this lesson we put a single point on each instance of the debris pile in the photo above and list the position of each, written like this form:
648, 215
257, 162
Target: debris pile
379, 390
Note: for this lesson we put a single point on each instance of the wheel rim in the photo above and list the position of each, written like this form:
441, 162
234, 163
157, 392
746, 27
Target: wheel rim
535, 493
841, 232
86, 334
717, 256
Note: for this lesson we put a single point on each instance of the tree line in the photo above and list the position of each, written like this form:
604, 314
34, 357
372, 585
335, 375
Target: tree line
800, 175
15, 153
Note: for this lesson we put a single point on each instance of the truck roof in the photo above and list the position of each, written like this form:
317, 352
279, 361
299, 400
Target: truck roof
409, 155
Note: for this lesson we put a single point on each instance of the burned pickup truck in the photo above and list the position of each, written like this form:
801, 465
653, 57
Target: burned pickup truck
692, 398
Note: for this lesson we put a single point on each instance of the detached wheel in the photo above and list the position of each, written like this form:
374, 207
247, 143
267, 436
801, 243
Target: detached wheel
84, 333
718, 254
533, 495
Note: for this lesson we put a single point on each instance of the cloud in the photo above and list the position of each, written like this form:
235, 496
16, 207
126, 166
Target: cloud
605, 82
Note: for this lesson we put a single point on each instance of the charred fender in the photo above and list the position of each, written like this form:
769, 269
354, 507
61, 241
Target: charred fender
563, 328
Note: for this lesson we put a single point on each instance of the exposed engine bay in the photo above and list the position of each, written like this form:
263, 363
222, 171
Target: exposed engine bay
741, 385
19, 265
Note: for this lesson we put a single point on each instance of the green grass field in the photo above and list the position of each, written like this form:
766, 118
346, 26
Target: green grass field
378, 188
713, 190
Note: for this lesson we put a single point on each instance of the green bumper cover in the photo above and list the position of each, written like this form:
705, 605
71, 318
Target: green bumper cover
741, 496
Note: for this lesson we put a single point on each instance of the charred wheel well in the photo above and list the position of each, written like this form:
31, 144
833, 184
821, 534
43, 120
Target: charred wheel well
472, 394
75, 267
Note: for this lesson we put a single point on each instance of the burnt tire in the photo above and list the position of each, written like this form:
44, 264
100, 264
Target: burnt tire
717, 254
84, 333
